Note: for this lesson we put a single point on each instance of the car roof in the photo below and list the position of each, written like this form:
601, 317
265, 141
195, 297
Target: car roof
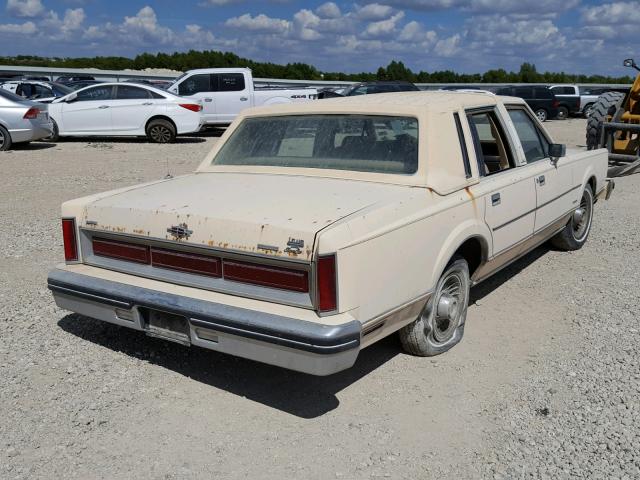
410, 103
130, 84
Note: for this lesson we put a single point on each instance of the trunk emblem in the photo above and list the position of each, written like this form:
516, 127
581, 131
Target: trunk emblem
294, 246
180, 231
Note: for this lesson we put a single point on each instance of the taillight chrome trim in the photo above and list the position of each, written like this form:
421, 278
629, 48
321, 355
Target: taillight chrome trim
336, 309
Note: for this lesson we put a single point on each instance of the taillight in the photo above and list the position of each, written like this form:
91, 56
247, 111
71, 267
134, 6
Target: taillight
121, 250
31, 113
326, 283
186, 262
194, 107
266, 275
69, 239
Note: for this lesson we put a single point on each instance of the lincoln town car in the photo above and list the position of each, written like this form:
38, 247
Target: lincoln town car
313, 230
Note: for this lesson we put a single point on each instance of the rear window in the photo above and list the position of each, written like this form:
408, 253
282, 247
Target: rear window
10, 96
543, 93
362, 143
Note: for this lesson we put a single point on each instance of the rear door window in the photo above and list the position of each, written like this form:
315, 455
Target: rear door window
127, 92
541, 92
195, 84
523, 92
228, 82
491, 146
534, 144
95, 93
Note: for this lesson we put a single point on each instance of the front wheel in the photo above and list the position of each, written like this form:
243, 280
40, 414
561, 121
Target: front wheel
5, 139
587, 110
574, 235
563, 113
161, 131
441, 324
541, 113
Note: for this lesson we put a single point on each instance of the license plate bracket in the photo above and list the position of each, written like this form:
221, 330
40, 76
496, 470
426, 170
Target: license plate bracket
166, 325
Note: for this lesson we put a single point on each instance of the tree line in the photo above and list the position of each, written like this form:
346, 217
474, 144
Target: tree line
396, 70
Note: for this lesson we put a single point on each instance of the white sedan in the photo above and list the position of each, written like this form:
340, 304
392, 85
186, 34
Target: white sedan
124, 109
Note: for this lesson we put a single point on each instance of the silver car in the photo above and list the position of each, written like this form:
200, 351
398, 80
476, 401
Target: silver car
22, 120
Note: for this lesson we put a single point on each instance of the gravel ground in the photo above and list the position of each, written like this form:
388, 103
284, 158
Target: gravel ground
544, 385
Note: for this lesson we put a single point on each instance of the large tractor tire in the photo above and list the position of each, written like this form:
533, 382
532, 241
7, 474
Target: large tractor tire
607, 104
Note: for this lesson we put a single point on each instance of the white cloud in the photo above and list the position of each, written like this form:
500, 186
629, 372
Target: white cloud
329, 10
27, 28
448, 47
384, 27
259, 23
25, 8
374, 12
616, 13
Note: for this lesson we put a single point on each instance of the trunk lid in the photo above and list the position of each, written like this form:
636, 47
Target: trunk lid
277, 215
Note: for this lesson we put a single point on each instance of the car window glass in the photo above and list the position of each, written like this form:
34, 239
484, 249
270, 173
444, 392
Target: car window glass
535, 146
543, 93
127, 92
195, 84
40, 91
492, 150
523, 92
230, 82
363, 143
156, 95
362, 90
95, 93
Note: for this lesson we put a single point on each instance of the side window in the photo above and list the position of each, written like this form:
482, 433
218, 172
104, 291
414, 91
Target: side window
362, 90
95, 93
230, 82
463, 146
156, 95
492, 149
195, 84
40, 91
127, 92
534, 144
542, 92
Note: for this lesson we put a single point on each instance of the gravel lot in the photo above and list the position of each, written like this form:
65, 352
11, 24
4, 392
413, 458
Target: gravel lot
544, 385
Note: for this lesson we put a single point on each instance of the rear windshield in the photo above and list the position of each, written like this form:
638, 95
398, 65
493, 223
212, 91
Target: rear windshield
10, 95
361, 143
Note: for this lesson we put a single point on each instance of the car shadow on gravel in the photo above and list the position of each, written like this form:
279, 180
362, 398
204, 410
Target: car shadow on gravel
192, 138
495, 281
299, 394
33, 146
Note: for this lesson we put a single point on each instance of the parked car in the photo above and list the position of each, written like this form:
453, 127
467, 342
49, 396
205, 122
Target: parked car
163, 84
21, 121
313, 230
225, 92
125, 109
589, 96
368, 88
74, 78
43, 92
82, 83
568, 100
541, 99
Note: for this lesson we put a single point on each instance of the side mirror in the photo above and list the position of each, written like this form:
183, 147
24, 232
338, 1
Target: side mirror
71, 97
557, 151
630, 62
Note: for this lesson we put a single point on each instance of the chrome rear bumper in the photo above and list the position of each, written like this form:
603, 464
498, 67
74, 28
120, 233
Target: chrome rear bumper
291, 343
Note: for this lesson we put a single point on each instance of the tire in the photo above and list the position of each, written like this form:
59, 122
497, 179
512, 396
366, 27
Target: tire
541, 113
434, 332
587, 110
607, 104
575, 233
5, 139
161, 131
563, 113
55, 135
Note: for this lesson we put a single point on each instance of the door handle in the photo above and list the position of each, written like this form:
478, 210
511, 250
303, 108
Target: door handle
541, 180
495, 199
103, 106
243, 99
208, 100
147, 103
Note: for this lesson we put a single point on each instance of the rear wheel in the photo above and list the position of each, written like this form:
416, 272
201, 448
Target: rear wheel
607, 104
586, 111
161, 131
441, 324
575, 233
55, 135
541, 113
5, 139
563, 113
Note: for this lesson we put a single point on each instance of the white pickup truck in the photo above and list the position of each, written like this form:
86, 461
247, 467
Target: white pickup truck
225, 92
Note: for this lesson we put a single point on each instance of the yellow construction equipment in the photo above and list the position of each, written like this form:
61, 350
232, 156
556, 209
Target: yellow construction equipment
614, 124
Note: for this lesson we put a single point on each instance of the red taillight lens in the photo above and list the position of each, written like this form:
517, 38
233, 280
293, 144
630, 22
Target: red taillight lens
186, 262
121, 250
69, 239
326, 283
266, 275
194, 107
32, 113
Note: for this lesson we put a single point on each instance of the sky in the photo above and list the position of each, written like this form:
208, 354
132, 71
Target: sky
574, 36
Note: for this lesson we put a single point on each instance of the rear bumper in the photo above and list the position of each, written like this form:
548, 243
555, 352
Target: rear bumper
35, 132
291, 343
